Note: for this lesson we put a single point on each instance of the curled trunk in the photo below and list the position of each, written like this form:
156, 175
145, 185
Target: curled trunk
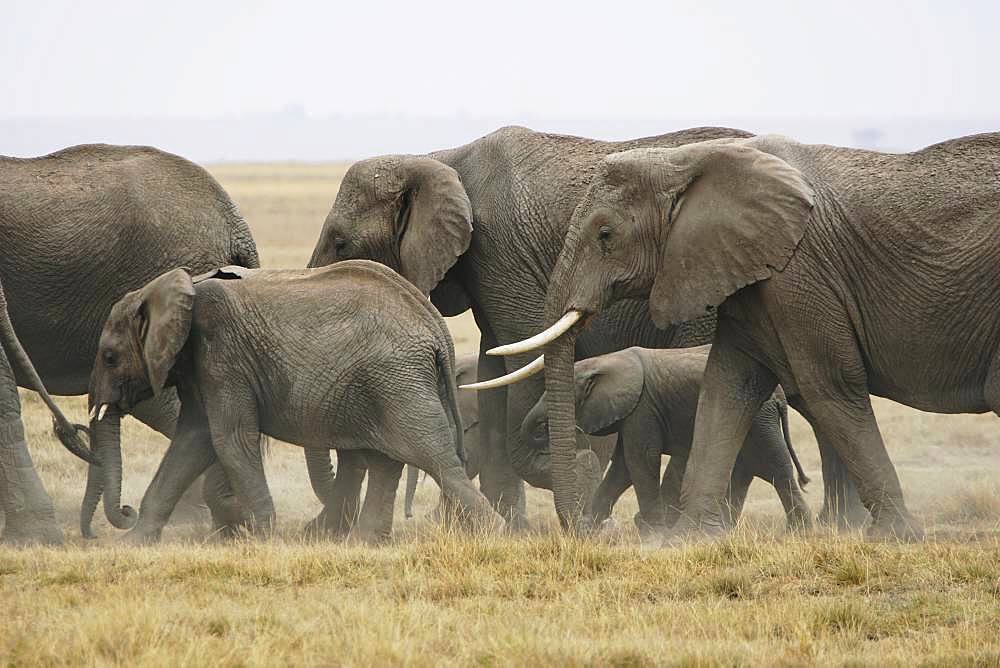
107, 435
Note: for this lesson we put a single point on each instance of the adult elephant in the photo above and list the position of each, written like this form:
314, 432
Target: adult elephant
839, 273
80, 228
480, 226
29, 516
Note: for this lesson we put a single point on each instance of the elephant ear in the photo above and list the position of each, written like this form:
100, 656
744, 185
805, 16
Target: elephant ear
434, 225
165, 312
609, 391
737, 216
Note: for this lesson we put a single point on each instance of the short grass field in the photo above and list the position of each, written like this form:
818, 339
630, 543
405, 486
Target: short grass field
436, 597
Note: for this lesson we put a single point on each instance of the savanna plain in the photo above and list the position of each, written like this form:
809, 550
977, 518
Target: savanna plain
434, 596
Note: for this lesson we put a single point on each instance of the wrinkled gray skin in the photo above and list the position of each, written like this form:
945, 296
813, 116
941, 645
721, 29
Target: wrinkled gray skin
838, 273
649, 398
351, 357
481, 226
465, 372
29, 516
80, 228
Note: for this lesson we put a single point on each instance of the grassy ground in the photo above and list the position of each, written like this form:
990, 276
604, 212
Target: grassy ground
435, 597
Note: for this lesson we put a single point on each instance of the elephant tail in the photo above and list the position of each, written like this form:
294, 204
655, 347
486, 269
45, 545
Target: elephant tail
448, 391
786, 432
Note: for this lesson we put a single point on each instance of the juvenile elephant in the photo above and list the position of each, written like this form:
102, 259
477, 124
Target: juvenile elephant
838, 273
349, 357
29, 516
80, 228
480, 226
648, 398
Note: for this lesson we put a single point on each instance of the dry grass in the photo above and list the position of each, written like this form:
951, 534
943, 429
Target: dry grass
434, 597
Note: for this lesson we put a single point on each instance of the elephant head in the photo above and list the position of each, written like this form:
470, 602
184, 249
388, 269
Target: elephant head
142, 337
685, 227
410, 213
608, 389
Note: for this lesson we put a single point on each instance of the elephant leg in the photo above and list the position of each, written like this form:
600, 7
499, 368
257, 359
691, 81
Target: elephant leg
412, 478
237, 442
614, 484
375, 523
30, 515
733, 388
342, 503
160, 414
842, 507
670, 489
767, 456
189, 455
227, 514
736, 494
642, 444
849, 426
497, 478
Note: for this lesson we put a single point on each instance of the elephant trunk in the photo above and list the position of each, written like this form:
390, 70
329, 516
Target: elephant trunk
108, 438
91, 497
560, 392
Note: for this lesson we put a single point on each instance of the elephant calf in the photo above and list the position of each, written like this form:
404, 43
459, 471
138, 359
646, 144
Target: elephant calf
649, 398
351, 357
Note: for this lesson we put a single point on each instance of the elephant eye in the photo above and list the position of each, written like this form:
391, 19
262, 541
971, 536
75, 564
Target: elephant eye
604, 233
339, 245
110, 358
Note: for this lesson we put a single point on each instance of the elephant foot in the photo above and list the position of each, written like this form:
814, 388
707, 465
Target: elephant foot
27, 528
687, 531
901, 529
799, 521
324, 527
138, 537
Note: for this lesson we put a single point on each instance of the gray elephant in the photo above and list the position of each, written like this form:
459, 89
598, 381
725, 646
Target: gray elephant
480, 226
80, 228
352, 357
29, 516
465, 372
838, 273
648, 398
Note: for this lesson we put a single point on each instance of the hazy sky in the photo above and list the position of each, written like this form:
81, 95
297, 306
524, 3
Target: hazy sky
609, 59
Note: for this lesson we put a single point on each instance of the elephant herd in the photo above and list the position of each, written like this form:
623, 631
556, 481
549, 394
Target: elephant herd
679, 291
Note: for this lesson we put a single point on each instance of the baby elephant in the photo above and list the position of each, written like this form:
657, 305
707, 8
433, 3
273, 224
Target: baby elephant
649, 398
349, 356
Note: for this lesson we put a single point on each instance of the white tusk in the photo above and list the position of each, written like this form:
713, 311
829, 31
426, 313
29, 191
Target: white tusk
104, 409
524, 372
542, 338
93, 413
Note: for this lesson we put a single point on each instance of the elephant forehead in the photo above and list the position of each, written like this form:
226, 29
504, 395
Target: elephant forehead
377, 178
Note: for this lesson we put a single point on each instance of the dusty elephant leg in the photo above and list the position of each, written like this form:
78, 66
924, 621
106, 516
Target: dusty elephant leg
767, 455
189, 455
670, 489
736, 494
160, 414
237, 442
733, 388
842, 507
375, 523
342, 502
849, 425
616, 481
643, 443
412, 479
28, 511
227, 514
498, 480
30, 516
